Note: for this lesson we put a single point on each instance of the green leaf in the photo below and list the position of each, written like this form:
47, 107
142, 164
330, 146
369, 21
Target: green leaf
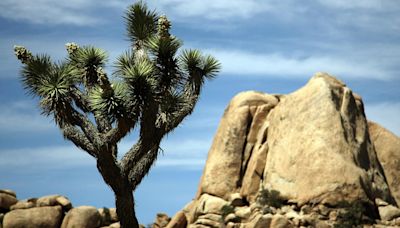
211, 67
141, 22
163, 47
141, 80
124, 62
190, 60
87, 60
171, 106
89, 56
34, 71
111, 104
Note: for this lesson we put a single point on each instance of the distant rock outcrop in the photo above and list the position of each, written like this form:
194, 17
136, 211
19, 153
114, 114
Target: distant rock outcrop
309, 158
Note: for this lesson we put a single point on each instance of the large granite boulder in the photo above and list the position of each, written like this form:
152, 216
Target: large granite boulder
311, 151
232, 146
319, 149
44, 217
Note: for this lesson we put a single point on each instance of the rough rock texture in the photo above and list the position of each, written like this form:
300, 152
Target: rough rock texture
179, 220
319, 147
389, 212
24, 204
387, 147
53, 200
161, 221
44, 217
230, 151
9, 192
83, 216
108, 216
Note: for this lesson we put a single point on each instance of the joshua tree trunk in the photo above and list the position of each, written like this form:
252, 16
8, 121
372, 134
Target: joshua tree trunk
126, 209
114, 177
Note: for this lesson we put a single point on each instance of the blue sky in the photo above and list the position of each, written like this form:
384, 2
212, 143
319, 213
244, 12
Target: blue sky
273, 46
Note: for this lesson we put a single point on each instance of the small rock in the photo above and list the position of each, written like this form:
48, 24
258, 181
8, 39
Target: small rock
286, 209
261, 221
178, 221
212, 217
231, 218
207, 222
397, 221
116, 225
108, 215
231, 225
53, 200
292, 215
323, 210
306, 209
255, 207
210, 204
380, 202
296, 221
23, 204
243, 212
9, 192
7, 200
162, 220
389, 212
280, 221
333, 215
64, 202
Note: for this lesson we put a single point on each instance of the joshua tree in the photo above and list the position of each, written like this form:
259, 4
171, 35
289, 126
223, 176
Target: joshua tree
154, 89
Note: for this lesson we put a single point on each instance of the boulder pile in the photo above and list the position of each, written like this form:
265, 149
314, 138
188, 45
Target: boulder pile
306, 159
52, 211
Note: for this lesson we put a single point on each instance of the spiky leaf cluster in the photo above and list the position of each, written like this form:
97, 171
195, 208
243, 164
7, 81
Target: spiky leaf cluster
153, 78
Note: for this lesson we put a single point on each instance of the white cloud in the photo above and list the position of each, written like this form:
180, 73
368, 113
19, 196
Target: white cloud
386, 114
238, 62
47, 11
360, 4
53, 157
213, 10
181, 153
177, 153
21, 117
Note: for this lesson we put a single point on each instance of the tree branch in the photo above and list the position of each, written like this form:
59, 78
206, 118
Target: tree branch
74, 135
192, 91
87, 128
80, 100
124, 126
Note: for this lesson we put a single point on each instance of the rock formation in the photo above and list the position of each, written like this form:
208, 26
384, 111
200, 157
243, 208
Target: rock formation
309, 158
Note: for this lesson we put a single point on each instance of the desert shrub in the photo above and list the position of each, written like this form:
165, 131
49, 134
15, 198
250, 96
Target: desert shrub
352, 214
270, 198
226, 210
